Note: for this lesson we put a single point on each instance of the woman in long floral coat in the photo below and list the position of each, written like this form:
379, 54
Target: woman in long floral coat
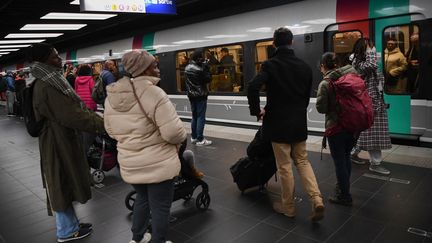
376, 138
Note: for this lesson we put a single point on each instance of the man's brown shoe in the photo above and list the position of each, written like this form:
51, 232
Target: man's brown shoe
277, 206
317, 212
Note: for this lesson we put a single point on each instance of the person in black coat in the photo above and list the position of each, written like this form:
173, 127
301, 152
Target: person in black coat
288, 81
198, 76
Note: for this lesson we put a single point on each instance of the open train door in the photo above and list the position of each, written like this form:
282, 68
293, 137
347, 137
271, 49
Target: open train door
340, 38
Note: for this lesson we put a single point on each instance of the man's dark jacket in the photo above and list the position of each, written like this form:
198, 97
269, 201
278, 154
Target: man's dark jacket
288, 83
197, 77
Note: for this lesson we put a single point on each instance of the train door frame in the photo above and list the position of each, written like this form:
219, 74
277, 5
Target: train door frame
399, 122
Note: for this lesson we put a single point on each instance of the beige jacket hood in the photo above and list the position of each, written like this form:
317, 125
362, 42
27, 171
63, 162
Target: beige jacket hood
147, 150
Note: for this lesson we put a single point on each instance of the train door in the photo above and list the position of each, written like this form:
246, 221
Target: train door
341, 37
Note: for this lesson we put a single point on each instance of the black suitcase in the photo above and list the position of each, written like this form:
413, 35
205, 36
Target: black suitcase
248, 173
258, 167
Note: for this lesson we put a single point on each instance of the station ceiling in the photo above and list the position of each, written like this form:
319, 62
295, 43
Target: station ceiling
14, 14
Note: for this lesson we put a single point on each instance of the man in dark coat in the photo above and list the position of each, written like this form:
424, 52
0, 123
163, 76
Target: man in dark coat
288, 82
65, 171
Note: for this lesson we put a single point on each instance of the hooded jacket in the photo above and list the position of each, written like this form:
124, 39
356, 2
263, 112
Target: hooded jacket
326, 99
83, 87
147, 145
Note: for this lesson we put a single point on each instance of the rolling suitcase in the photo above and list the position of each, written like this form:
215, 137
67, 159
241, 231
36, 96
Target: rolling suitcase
248, 173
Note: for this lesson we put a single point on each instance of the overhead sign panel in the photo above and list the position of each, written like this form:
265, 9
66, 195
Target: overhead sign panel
129, 6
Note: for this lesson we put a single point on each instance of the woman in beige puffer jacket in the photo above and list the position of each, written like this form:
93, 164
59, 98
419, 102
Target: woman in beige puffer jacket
147, 143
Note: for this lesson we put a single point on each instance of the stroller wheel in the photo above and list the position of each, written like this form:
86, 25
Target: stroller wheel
98, 176
203, 201
130, 200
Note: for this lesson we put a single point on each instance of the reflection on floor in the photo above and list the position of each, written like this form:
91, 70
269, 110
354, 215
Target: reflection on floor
384, 207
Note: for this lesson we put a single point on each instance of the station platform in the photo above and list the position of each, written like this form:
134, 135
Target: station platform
394, 208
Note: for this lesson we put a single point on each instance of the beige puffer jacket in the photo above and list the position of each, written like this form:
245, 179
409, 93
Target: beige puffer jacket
395, 62
147, 151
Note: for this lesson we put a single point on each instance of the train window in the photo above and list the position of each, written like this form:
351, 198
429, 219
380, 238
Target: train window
264, 50
343, 43
401, 59
226, 66
182, 59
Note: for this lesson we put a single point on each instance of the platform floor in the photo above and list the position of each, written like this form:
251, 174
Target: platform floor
384, 207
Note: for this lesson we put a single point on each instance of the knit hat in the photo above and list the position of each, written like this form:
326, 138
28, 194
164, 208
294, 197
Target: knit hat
137, 61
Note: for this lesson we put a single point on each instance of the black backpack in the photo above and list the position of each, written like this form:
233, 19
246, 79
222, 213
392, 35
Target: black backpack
99, 93
34, 127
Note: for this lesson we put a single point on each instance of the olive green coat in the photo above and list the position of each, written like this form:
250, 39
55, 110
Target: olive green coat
65, 170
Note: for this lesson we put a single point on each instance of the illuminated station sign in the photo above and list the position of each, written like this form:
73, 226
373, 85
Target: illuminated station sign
129, 6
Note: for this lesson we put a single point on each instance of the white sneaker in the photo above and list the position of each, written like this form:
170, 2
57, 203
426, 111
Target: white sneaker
145, 239
204, 142
194, 140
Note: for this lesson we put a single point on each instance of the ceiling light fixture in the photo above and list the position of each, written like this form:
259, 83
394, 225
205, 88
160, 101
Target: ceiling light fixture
9, 49
21, 41
83, 16
4, 53
14, 46
53, 26
33, 35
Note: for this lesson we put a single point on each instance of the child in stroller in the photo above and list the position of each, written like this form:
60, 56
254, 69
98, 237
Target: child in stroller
184, 184
102, 156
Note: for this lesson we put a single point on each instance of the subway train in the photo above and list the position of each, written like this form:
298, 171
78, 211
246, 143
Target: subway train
237, 45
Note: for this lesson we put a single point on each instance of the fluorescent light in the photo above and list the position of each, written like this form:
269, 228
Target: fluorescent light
75, 2
53, 26
4, 53
224, 36
260, 30
85, 16
320, 21
182, 42
14, 46
21, 41
33, 35
9, 49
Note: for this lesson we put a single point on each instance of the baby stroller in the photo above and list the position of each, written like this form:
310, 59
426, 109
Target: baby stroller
184, 186
102, 156
183, 189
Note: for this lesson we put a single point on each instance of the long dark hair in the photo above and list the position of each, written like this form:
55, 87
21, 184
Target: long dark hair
360, 47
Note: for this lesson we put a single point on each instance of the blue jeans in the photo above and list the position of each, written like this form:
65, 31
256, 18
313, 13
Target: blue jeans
67, 222
199, 108
156, 198
341, 145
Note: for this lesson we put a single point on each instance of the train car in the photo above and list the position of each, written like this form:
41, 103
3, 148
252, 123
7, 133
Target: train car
318, 26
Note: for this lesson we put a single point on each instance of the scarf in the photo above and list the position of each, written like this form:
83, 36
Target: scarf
53, 76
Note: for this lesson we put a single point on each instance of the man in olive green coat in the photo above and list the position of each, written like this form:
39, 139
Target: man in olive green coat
65, 170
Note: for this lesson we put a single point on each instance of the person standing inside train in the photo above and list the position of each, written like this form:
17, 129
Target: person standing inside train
288, 81
140, 116
65, 171
340, 140
198, 76
395, 65
376, 138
